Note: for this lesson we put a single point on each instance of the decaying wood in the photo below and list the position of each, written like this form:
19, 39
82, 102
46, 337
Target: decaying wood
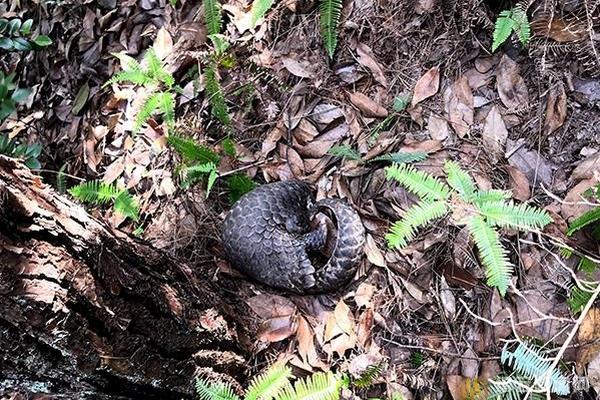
88, 312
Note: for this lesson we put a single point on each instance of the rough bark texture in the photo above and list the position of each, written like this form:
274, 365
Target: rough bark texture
87, 312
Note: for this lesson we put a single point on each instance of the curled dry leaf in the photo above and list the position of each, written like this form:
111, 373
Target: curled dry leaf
163, 44
368, 107
278, 316
519, 184
459, 106
306, 343
363, 294
556, 109
426, 86
339, 330
494, 134
589, 337
588, 168
366, 58
325, 113
536, 168
463, 388
511, 85
364, 335
301, 69
272, 138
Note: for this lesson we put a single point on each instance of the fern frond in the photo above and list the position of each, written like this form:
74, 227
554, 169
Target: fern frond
137, 77
510, 388
522, 216
259, 9
267, 385
528, 361
420, 183
502, 29
369, 375
239, 184
331, 11
579, 297
590, 217
459, 180
95, 192
126, 204
214, 391
191, 151
318, 386
416, 216
166, 105
215, 94
149, 106
490, 196
588, 266
401, 157
212, 16
493, 256
521, 25
196, 172
345, 151
156, 70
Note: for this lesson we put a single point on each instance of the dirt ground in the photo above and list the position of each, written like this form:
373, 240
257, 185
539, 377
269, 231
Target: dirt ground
525, 119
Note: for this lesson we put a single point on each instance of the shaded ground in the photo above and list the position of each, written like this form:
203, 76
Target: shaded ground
520, 119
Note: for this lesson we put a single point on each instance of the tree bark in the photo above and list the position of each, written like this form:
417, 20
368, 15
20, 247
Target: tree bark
88, 312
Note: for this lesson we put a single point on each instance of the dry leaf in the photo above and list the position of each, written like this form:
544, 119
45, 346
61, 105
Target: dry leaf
574, 204
463, 388
306, 343
368, 107
588, 168
556, 109
494, 134
278, 315
163, 44
374, 254
339, 330
364, 335
519, 184
559, 29
363, 294
459, 106
438, 127
366, 58
114, 170
535, 167
325, 113
426, 86
511, 86
301, 69
589, 337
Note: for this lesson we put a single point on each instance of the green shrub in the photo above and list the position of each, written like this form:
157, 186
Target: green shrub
15, 35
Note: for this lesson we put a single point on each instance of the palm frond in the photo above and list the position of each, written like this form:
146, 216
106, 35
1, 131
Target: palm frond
522, 216
528, 361
192, 151
214, 391
267, 385
95, 192
215, 94
590, 217
331, 11
416, 216
259, 9
212, 16
318, 386
459, 180
420, 183
493, 256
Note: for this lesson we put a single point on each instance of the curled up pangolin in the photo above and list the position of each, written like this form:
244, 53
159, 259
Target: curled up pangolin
267, 234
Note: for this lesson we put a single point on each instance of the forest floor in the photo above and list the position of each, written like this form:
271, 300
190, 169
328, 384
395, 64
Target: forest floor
406, 76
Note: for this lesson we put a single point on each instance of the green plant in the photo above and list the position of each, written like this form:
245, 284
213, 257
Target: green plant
331, 11
158, 83
259, 9
275, 384
239, 184
98, 192
509, 21
480, 211
532, 372
367, 378
10, 95
29, 153
15, 34
400, 103
348, 152
589, 218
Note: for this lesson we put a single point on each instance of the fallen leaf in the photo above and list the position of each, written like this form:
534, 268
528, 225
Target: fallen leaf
81, 98
438, 127
301, 69
519, 184
559, 29
278, 316
589, 338
114, 170
535, 167
556, 109
588, 168
574, 204
463, 388
494, 134
339, 330
511, 86
325, 113
426, 86
306, 343
368, 107
364, 334
374, 254
270, 142
163, 44
459, 106
363, 294
448, 300
366, 58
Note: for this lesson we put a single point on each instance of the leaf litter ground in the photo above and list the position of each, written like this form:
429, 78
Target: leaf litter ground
524, 120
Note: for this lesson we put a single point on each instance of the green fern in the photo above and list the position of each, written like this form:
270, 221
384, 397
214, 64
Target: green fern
401, 157
331, 11
192, 151
98, 192
267, 385
418, 215
195, 173
459, 180
367, 378
212, 16
345, 151
508, 215
214, 391
527, 361
259, 9
510, 388
318, 386
418, 182
493, 255
514, 20
490, 196
588, 218
579, 297
239, 184
215, 94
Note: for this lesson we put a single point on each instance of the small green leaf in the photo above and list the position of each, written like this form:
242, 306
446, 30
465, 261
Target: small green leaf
3, 24
26, 27
400, 103
7, 107
229, 147
33, 150
13, 26
345, 151
220, 43
81, 98
42, 41
6, 43
33, 163
503, 28
20, 95
239, 184
21, 44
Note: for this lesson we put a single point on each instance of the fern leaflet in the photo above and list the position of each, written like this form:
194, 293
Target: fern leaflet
459, 180
149, 106
493, 256
345, 151
401, 157
267, 385
214, 391
125, 204
259, 9
492, 195
191, 151
137, 77
319, 386
579, 297
94, 192
239, 184
503, 29
215, 94
510, 388
212, 16
588, 218
418, 182
418, 215
369, 375
331, 11
522, 216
